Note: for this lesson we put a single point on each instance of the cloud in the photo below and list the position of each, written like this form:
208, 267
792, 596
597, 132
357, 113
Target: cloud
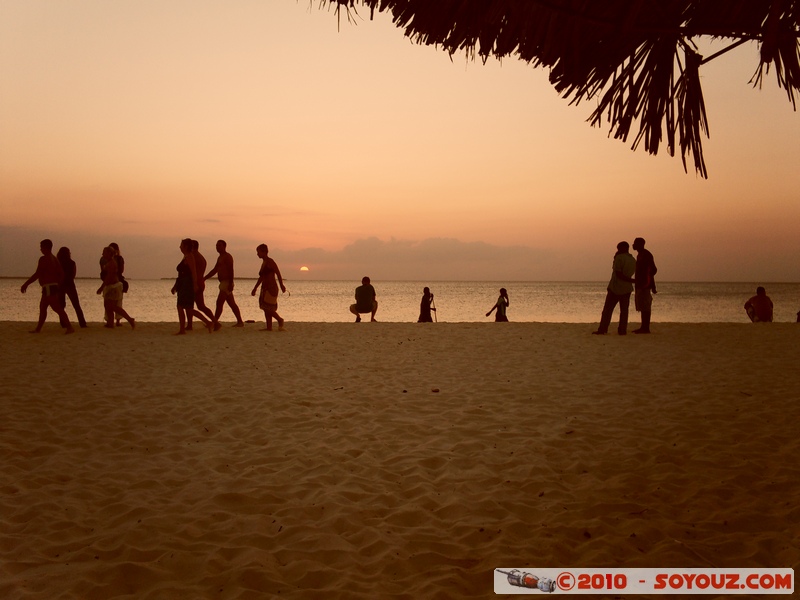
429, 259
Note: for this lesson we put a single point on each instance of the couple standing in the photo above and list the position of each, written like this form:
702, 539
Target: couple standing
629, 274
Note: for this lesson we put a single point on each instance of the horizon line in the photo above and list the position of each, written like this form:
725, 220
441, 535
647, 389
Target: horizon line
24, 277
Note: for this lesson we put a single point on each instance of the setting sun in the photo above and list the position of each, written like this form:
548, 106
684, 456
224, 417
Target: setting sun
304, 268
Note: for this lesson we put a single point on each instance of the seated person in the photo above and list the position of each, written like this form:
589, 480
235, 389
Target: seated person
759, 307
365, 300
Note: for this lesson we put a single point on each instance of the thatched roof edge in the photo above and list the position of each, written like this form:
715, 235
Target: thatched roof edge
638, 56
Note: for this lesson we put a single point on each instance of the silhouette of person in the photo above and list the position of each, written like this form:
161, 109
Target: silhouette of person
619, 290
120, 269
200, 270
500, 306
425, 307
759, 307
365, 300
186, 289
644, 284
121, 264
111, 289
68, 288
51, 277
224, 272
268, 299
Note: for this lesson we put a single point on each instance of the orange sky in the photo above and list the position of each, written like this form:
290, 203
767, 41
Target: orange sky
354, 151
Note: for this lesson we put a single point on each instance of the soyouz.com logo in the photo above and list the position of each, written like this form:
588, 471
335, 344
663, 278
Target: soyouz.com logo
643, 581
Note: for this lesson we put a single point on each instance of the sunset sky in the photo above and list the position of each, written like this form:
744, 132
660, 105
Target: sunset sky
351, 150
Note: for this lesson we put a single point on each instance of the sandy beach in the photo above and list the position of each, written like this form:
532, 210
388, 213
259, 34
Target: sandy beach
389, 459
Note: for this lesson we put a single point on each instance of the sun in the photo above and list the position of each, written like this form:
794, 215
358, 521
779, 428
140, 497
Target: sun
304, 268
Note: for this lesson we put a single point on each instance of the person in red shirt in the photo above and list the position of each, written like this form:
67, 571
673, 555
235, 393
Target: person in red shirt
51, 277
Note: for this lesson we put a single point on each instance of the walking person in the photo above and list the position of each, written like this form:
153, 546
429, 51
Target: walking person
268, 299
619, 290
200, 270
500, 306
50, 276
185, 287
644, 284
224, 272
111, 290
120, 274
68, 288
426, 306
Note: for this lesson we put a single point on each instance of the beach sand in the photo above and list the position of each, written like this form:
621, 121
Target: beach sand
387, 459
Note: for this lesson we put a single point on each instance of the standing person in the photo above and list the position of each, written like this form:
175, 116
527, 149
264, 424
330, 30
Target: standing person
68, 288
501, 305
186, 287
759, 307
644, 284
366, 301
619, 290
224, 272
425, 307
120, 274
50, 276
111, 289
103, 261
268, 299
200, 266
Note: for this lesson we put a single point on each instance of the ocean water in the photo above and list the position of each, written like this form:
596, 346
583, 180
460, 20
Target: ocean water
456, 301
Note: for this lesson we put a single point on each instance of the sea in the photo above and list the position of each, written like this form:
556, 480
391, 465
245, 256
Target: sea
150, 300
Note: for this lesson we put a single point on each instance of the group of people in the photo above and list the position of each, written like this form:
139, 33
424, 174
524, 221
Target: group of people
637, 276
367, 303
190, 287
56, 276
629, 274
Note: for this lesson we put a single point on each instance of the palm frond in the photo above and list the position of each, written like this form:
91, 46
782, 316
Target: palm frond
626, 52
